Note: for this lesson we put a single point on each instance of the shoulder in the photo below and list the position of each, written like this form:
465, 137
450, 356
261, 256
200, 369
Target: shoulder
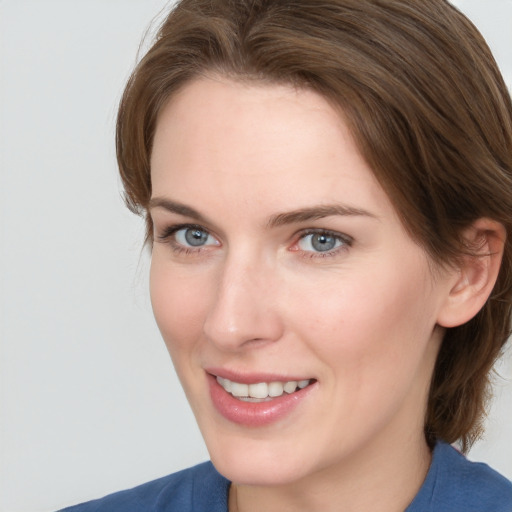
454, 483
194, 489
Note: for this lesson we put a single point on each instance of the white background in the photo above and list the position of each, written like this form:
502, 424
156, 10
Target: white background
89, 402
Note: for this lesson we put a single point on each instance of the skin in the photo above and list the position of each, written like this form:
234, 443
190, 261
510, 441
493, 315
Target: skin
363, 320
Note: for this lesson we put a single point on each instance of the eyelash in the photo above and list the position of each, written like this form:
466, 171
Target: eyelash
167, 236
345, 243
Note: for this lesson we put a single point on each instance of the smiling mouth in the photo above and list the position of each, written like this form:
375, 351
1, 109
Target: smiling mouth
262, 391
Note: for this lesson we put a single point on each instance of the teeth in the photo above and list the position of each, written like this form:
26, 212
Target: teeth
239, 389
261, 390
225, 383
275, 389
291, 386
258, 390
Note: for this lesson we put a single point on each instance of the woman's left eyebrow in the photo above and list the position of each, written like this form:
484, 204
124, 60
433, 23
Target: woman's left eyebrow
316, 212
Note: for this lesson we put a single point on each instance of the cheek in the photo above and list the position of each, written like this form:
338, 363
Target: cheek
372, 338
371, 322
179, 305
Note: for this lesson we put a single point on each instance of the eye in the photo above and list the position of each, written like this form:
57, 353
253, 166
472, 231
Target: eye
322, 242
187, 238
194, 236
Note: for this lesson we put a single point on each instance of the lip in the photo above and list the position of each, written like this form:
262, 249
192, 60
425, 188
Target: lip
252, 378
254, 414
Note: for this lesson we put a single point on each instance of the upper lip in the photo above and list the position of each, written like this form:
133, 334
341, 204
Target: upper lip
253, 377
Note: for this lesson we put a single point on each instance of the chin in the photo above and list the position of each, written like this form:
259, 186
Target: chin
250, 460
257, 472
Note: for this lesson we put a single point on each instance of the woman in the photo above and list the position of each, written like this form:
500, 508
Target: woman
326, 186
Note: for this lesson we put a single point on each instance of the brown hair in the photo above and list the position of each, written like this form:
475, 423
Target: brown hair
426, 105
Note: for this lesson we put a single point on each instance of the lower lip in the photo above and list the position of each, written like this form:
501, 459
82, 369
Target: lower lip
254, 414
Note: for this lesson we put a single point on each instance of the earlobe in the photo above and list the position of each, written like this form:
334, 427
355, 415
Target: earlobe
476, 276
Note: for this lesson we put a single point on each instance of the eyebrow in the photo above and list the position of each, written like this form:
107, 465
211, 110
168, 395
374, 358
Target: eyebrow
280, 219
174, 207
316, 212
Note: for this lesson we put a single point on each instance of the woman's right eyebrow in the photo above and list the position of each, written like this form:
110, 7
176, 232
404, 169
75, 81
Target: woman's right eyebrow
175, 207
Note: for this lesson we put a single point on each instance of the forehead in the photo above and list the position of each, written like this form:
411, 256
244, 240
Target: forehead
248, 115
265, 142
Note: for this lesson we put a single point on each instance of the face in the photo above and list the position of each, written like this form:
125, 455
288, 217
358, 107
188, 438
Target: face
299, 315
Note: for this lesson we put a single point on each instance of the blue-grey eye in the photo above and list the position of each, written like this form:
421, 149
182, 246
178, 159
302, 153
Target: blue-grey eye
319, 242
194, 237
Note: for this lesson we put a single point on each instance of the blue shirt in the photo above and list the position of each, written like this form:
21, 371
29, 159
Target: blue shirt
453, 484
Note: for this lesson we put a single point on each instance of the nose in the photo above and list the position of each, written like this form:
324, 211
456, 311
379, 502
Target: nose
245, 311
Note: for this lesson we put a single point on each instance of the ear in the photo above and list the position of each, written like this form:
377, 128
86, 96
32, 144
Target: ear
476, 276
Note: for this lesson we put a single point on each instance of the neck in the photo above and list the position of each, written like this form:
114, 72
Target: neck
384, 478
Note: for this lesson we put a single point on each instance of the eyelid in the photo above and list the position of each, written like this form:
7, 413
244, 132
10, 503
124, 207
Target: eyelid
346, 242
167, 236
323, 231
